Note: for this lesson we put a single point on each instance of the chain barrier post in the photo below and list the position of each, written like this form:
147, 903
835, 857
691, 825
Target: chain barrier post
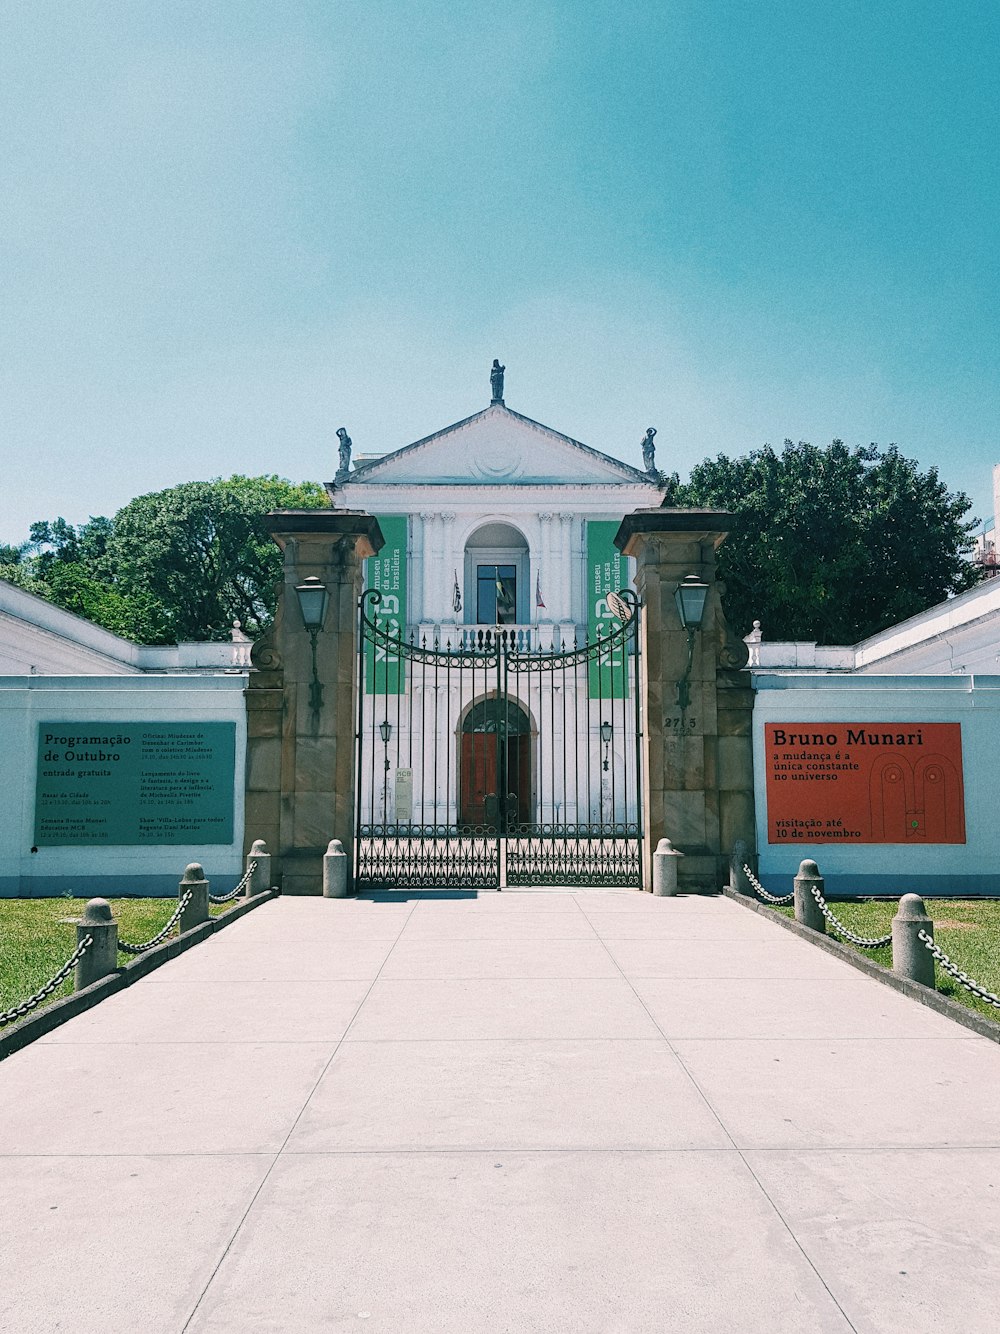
260, 878
665, 860
102, 958
195, 911
335, 870
910, 956
807, 910
738, 859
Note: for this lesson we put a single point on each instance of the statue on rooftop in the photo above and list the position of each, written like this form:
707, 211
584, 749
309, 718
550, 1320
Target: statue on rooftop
345, 454
496, 380
649, 450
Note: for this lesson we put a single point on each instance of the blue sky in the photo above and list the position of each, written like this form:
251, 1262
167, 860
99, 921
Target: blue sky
228, 228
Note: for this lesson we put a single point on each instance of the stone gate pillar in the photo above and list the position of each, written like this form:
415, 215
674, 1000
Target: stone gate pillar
698, 759
300, 782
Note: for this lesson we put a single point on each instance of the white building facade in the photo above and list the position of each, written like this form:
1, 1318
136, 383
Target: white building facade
496, 574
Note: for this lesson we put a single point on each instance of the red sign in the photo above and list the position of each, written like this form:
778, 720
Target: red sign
864, 783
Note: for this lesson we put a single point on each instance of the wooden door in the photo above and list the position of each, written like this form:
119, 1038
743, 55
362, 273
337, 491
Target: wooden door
519, 778
479, 778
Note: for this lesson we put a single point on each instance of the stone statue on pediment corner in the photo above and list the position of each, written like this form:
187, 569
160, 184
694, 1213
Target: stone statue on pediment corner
649, 451
344, 465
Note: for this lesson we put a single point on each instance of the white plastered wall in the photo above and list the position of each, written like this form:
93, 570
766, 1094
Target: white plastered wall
110, 700
972, 868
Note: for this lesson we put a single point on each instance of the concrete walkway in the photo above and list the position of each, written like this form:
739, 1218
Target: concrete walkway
532, 1111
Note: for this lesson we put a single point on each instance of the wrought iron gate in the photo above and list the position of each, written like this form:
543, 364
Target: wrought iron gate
494, 756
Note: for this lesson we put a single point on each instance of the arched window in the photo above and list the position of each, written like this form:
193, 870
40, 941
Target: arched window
487, 714
496, 576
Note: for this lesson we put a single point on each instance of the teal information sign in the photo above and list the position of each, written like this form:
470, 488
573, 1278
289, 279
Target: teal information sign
384, 671
134, 784
607, 572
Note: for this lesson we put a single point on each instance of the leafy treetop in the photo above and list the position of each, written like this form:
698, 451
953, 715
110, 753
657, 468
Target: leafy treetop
183, 563
832, 544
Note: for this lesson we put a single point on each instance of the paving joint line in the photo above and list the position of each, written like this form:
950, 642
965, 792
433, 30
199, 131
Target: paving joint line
291, 1130
725, 1130
433, 1150
694, 1083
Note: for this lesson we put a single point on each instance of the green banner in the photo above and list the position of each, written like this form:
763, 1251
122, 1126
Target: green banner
607, 572
385, 673
134, 784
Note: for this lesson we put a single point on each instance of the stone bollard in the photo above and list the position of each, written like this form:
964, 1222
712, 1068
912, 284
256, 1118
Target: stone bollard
738, 858
196, 911
335, 871
102, 957
665, 860
261, 878
807, 910
910, 956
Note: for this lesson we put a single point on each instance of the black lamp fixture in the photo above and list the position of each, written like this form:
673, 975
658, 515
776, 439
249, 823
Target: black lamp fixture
606, 738
385, 732
690, 598
313, 599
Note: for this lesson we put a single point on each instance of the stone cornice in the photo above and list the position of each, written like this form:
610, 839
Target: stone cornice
701, 525
285, 524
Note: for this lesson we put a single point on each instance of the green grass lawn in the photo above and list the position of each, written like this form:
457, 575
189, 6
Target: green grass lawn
35, 941
968, 930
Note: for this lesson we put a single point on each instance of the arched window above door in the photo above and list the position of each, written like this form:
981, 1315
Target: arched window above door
496, 576
487, 715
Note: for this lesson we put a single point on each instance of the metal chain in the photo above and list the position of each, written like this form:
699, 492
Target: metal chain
838, 926
126, 948
227, 898
771, 898
957, 973
19, 1011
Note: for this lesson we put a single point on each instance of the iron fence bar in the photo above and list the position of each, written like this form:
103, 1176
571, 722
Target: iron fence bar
639, 724
503, 777
359, 748
583, 670
448, 735
565, 739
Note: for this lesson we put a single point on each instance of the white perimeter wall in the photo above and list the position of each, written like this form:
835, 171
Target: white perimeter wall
109, 700
891, 868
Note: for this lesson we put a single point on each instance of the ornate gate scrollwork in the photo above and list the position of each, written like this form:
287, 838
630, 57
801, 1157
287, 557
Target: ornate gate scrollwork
486, 760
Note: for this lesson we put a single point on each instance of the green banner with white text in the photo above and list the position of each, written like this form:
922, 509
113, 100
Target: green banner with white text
385, 673
607, 572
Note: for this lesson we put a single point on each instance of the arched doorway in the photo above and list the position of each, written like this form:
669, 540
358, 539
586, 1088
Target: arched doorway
495, 754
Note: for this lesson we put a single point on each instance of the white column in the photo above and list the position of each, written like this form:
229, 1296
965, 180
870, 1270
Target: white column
566, 556
427, 600
544, 571
448, 613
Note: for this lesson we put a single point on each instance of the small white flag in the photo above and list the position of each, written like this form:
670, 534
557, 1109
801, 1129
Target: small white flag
538, 589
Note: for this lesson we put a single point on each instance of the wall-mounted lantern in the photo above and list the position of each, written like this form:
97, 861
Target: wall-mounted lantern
690, 597
313, 599
385, 732
606, 738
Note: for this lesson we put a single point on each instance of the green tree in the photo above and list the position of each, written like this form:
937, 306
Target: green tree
16, 566
183, 563
200, 557
833, 544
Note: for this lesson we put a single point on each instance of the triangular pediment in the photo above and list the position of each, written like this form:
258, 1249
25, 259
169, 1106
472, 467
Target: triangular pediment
496, 446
